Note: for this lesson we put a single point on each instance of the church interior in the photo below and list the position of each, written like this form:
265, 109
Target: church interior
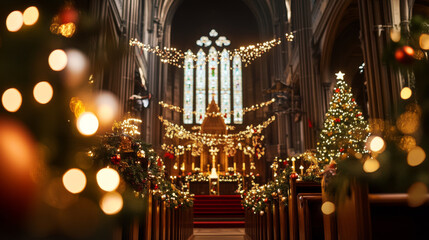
214, 119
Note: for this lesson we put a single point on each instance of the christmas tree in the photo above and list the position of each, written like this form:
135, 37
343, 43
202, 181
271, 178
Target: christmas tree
345, 130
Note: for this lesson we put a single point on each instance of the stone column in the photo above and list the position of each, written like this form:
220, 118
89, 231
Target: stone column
383, 85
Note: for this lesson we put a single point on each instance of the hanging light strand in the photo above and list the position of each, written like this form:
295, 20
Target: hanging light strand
221, 114
175, 130
176, 56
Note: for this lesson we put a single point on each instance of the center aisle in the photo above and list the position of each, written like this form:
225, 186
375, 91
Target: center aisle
223, 211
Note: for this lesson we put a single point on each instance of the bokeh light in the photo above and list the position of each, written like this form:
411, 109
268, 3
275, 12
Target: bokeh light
407, 143
408, 122
57, 60
11, 99
111, 203
43, 92
376, 144
371, 165
31, 14
77, 68
74, 180
108, 179
416, 156
87, 123
417, 194
19, 167
424, 41
56, 195
14, 21
107, 107
395, 34
328, 207
76, 106
406, 93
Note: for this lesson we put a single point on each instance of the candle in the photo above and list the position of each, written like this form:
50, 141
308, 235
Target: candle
293, 164
244, 166
218, 167
193, 166
302, 169
235, 166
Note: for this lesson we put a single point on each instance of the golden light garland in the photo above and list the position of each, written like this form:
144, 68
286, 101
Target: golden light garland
174, 130
217, 114
176, 57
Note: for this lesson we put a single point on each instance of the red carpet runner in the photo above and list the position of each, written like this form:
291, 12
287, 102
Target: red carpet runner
224, 211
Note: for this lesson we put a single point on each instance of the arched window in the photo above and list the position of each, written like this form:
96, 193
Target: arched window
213, 73
203, 95
225, 86
188, 95
200, 106
238, 89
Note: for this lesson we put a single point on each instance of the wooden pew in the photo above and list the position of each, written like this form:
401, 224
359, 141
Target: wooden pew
393, 218
297, 187
310, 217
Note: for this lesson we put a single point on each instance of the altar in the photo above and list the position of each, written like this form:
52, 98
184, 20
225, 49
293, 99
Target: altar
217, 153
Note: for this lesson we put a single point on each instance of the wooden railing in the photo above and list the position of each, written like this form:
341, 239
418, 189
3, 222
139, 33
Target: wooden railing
159, 223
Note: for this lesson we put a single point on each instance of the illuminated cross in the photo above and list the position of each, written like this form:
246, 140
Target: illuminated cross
340, 75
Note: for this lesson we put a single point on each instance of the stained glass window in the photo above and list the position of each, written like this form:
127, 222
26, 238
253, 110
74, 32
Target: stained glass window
238, 89
200, 93
188, 88
225, 86
213, 73
223, 95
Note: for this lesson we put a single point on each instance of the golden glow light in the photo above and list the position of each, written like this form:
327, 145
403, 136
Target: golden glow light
424, 41
328, 207
31, 14
111, 203
416, 156
14, 21
57, 60
395, 34
74, 180
108, 179
87, 123
43, 92
406, 93
371, 165
376, 144
11, 100
107, 107
417, 194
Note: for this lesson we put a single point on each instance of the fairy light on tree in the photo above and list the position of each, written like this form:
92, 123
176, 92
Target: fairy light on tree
344, 128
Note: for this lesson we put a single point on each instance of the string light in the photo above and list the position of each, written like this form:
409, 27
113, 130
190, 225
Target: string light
217, 114
176, 57
174, 130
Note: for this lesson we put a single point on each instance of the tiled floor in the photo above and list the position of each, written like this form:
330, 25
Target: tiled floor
218, 233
